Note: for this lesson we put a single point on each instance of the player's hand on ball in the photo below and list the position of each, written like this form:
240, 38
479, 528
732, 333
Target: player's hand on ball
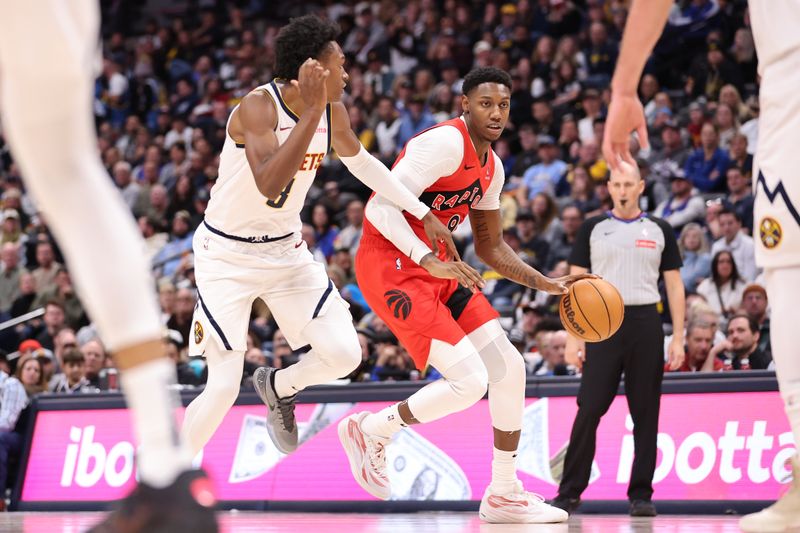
561, 285
457, 270
439, 235
311, 82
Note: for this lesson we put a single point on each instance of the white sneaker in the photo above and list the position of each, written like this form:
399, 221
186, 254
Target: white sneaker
783, 515
367, 456
519, 507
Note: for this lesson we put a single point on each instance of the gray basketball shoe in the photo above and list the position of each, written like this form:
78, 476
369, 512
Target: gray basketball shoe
281, 425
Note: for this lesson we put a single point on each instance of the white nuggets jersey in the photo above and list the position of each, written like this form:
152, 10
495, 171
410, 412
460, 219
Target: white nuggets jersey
237, 208
777, 161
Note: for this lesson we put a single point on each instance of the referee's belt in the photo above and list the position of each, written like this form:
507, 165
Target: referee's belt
253, 240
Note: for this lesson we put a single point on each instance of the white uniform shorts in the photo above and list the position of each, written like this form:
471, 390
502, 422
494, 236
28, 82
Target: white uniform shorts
231, 275
776, 169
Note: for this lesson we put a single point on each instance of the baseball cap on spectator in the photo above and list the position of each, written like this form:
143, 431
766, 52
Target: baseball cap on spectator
447, 64
677, 173
517, 337
29, 345
546, 140
406, 84
671, 124
367, 332
508, 9
665, 110
174, 336
10, 213
417, 99
184, 214
754, 287
714, 45
481, 46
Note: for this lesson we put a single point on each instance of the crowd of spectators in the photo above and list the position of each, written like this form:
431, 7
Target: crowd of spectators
170, 80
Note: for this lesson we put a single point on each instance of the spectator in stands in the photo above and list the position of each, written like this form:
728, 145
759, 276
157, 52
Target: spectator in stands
581, 193
563, 239
350, 235
27, 294
532, 247
392, 364
282, 355
11, 228
532, 316
696, 258
45, 272
740, 196
699, 338
553, 361
368, 357
10, 273
740, 350
601, 55
414, 119
739, 155
528, 155
755, 304
181, 319
75, 316
168, 259
325, 231
129, 189
738, 243
544, 176
54, 320
706, 166
709, 74
94, 354
592, 109
723, 291
73, 378
684, 204
175, 167
27, 381
154, 237
727, 124
387, 128
673, 153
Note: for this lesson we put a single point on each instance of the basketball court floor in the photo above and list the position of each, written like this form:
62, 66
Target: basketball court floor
247, 522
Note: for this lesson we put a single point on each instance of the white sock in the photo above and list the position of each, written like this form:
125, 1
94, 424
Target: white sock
161, 454
283, 381
384, 423
504, 471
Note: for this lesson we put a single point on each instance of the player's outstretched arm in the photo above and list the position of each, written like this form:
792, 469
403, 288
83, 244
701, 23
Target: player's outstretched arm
487, 230
274, 165
625, 114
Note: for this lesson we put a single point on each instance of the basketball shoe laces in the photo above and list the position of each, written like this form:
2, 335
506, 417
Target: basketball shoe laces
286, 409
532, 497
376, 451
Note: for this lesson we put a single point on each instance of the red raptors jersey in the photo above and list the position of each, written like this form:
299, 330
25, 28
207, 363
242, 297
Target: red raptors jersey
451, 197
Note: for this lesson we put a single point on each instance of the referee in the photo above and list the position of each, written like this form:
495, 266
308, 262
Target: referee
629, 249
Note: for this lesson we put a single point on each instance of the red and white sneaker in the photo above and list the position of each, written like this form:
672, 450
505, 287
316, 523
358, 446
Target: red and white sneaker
367, 456
519, 507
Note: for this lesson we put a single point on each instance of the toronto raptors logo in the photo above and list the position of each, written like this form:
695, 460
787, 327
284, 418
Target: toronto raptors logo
198, 332
399, 303
770, 232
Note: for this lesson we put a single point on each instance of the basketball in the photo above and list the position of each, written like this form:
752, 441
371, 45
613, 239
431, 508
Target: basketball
592, 310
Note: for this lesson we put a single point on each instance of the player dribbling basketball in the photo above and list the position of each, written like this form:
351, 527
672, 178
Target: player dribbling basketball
453, 170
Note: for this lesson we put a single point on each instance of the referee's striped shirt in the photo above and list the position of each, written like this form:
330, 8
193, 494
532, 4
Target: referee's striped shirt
631, 254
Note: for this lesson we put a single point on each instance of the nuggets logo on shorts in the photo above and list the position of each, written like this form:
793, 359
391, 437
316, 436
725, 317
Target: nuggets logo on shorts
770, 232
198, 332
399, 303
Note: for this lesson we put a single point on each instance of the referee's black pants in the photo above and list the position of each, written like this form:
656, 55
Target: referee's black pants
637, 349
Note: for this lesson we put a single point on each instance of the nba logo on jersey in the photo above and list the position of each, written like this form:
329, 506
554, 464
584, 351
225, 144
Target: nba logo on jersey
397, 264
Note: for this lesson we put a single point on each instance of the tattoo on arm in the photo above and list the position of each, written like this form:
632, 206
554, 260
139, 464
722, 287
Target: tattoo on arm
508, 264
488, 236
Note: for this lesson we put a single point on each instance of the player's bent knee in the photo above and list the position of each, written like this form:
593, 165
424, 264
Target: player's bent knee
224, 393
471, 388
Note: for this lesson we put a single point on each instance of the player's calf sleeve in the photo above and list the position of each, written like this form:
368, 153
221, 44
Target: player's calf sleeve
93, 225
464, 382
335, 352
506, 370
206, 412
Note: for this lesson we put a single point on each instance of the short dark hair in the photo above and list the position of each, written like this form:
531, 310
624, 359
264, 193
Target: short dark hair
751, 322
303, 37
73, 356
485, 75
729, 211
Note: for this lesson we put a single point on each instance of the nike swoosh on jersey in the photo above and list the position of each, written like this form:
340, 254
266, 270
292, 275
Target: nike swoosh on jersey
469, 167
286, 128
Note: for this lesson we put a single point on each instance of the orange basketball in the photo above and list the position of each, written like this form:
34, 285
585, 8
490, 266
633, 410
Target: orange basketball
592, 310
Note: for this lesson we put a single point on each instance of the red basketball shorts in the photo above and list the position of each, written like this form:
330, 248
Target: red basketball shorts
416, 306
